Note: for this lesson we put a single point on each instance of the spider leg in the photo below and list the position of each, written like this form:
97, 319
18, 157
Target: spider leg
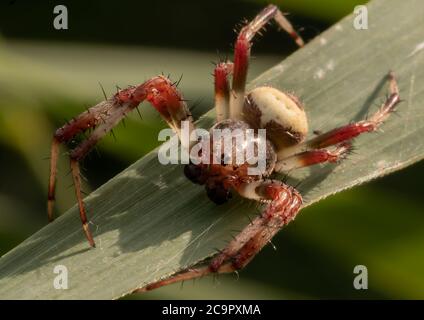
350, 131
88, 119
79, 152
164, 96
54, 152
159, 91
222, 90
242, 53
311, 157
284, 204
83, 215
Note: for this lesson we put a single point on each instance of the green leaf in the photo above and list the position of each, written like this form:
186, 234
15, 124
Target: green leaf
150, 222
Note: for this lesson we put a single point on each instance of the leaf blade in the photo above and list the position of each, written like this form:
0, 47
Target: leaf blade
150, 222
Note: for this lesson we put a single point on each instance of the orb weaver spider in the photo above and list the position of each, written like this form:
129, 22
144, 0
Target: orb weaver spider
281, 114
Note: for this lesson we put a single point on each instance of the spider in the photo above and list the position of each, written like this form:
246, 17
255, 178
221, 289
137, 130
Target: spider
280, 114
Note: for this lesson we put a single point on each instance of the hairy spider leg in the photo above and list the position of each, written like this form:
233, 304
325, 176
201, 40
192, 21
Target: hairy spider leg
222, 90
164, 96
242, 53
311, 157
86, 120
159, 91
284, 204
309, 152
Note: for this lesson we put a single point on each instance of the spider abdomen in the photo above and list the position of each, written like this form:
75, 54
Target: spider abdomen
281, 114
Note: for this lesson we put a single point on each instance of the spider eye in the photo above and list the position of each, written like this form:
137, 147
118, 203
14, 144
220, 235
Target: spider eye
218, 194
193, 173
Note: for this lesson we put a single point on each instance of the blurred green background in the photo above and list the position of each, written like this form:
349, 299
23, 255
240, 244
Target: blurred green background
48, 75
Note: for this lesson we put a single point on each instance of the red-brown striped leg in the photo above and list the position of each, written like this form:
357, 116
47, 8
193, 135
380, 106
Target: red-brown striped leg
84, 121
164, 96
285, 204
222, 90
311, 157
161, 93
77, 183
242, 53
280, 195
78, 153
54, 152
350, 131
278, 214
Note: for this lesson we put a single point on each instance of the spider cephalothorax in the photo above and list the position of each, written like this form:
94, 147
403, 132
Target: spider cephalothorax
279, 114
223, 173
